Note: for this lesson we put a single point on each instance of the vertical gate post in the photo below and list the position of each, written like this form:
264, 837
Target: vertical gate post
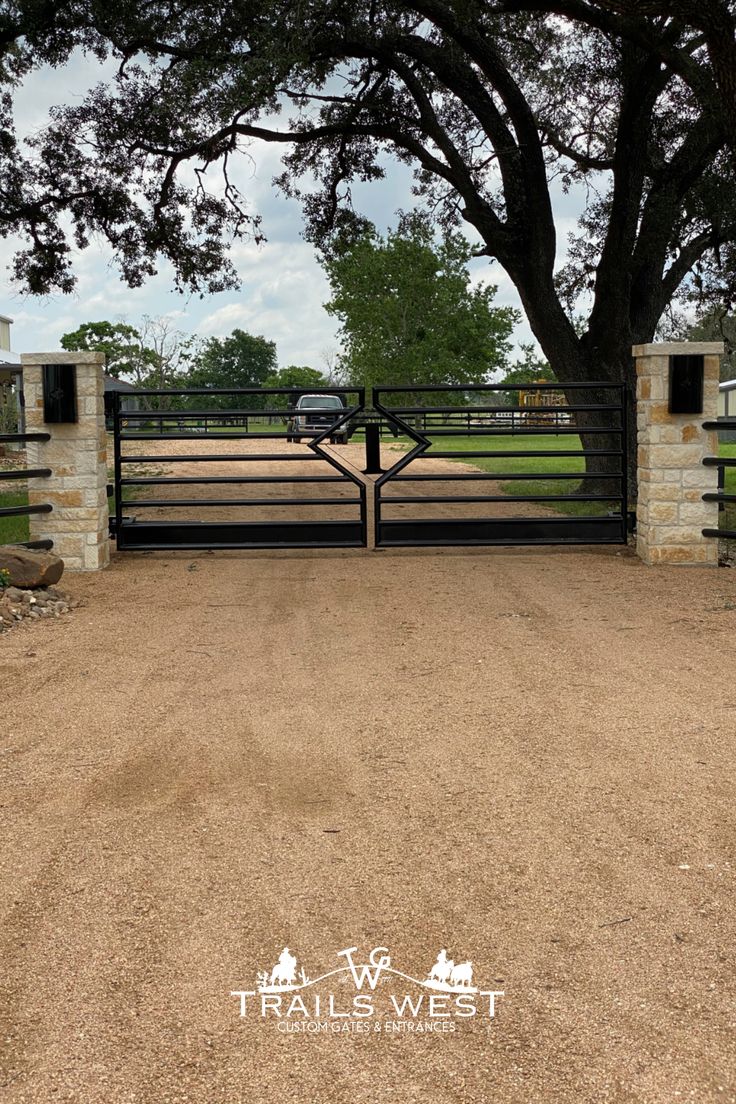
672, 479
76, 454
372, 449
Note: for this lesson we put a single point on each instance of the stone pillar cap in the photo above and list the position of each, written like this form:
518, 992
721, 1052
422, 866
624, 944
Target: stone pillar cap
80, 356
679, 348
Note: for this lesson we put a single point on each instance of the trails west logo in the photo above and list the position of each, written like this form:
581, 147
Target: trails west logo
287, 996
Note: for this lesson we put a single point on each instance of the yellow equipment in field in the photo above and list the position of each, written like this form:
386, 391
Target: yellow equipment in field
534, 402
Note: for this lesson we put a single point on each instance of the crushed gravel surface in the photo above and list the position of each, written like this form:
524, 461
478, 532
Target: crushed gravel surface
525, 757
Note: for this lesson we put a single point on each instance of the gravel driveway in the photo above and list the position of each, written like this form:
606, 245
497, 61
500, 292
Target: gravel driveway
525, 757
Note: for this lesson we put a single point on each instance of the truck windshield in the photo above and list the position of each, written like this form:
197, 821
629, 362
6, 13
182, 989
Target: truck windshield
325, 402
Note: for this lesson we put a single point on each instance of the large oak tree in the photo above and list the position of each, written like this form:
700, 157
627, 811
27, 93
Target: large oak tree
488, 101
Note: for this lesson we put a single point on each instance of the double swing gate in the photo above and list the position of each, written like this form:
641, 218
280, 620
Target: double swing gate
451, 465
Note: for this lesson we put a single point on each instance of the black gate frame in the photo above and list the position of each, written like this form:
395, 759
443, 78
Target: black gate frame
611, 528
162, 535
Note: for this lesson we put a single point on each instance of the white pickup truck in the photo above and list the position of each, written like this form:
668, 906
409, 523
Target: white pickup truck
313, 414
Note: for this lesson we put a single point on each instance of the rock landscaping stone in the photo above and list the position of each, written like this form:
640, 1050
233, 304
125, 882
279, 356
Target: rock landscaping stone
30, 568
17, 604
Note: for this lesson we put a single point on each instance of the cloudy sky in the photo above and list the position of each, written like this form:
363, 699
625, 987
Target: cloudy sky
283, 286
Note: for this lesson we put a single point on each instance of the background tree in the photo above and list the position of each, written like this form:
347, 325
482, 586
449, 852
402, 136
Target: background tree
240, 360
530, 369
121, 343
245, 53
717, 325
294, 375
715, 19
408, 313
487, 100
155, 357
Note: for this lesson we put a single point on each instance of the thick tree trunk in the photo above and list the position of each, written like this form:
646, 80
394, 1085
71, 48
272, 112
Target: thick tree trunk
618, 393
604, 359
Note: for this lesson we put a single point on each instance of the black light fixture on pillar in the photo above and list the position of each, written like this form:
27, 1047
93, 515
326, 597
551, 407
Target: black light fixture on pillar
686, 384
59, 392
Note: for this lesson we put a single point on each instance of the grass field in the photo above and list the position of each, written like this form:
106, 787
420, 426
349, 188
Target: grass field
13, 529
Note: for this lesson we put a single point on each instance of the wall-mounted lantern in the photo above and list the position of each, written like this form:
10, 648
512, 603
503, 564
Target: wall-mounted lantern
686, 384
59, 392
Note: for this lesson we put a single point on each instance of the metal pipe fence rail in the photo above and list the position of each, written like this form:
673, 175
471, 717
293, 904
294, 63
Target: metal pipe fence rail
722, 463
242, 423
22, 475
603, 419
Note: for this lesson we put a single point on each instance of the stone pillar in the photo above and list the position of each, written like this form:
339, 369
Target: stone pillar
77, 456
670, 512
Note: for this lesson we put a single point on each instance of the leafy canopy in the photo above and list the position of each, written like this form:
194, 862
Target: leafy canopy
240, 360
121, 343
489, 101
154, 356
408, 313
299, 376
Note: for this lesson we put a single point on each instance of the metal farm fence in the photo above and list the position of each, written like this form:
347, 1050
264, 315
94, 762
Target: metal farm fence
722, 463
22, 475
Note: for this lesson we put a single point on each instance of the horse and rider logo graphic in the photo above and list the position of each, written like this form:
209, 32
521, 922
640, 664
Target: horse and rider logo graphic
445, 976
435, 1001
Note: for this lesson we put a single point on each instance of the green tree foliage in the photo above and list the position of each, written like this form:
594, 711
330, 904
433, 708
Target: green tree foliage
121, 343
530, 369
155, 356
240, 360
630, 102
301, 377
718, 325
408, 313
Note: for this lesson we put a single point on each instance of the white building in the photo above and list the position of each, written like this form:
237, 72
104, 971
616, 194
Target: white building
10, 377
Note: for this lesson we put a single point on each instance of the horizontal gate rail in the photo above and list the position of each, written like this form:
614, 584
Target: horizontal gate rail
225, 415
21, 511
26, 510
587, 415
225, 457
157, 536
164, 502
402, 410
519, 453
29, 473
515, 431
243, 423
504, 498
215, 436
21, 438
720, 462
473, 478
186, 479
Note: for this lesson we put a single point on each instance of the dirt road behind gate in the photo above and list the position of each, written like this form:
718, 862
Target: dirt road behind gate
526, 758
289, 460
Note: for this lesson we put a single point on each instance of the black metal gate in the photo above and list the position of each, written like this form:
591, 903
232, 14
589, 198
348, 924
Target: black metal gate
554, 505
250, 414
562, 480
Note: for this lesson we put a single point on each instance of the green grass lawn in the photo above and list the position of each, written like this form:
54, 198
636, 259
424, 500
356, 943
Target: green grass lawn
13, 529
